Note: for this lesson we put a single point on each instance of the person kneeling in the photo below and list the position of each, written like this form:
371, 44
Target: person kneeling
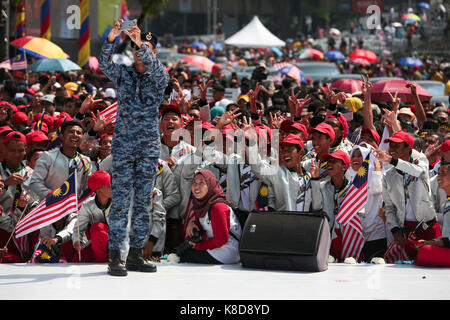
221, 227
93, 215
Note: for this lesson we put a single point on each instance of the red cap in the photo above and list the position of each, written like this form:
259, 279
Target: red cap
99, 179
293, 139
374, 134
36, 136
15, 136
47, 119
338, 154
19, 118
216, 66
286, 124
44, 127
401, 136
170, 108
58, 120
207, 126
5, 129
445, 146
344, 124
105, 135
326, 129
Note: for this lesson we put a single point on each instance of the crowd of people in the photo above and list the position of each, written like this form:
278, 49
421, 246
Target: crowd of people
279, 147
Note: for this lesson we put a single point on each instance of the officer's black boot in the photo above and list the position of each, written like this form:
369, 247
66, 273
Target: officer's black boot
115, 265
135, 261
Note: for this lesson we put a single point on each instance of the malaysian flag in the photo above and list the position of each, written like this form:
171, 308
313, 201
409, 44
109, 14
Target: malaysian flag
394, 252
56, 205
347, 216
262, 199
19, 62
110, 113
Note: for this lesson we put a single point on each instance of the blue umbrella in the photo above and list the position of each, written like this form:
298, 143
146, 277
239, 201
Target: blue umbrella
276, 51
410, 62
424, 5
217, 46
45, 65
199, 45
335, 55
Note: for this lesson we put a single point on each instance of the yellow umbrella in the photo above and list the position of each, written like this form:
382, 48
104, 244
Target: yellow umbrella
40, 47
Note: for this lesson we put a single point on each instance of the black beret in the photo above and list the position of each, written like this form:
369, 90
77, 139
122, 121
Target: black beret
150, 37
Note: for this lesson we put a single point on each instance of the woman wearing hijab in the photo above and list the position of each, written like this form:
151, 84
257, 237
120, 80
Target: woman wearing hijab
373, 226
220, 227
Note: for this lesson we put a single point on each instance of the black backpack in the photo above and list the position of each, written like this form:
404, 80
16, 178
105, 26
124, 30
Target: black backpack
241, 214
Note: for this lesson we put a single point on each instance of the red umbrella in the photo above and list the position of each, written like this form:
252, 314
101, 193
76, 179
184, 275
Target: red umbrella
360, 61
200, 61
381, 90
363, 54
347, 85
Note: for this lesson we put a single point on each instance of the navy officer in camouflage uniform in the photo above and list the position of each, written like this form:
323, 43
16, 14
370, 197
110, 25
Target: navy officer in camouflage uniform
135, 146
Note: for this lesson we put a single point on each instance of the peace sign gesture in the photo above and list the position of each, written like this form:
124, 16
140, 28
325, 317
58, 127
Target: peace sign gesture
395, 101
315, 168
366, 86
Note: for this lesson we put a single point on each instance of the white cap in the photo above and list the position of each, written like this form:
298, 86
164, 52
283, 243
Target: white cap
48, 97
110, 93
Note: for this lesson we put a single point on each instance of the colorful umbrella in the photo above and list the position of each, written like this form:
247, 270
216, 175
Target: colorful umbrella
347, 85
199, 61
411, 16
334, 55
310, 53
363, 54
410, 62
45, 65
381, 90
39, 47
291, 71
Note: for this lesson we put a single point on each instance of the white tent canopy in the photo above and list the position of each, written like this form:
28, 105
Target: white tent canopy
254, 35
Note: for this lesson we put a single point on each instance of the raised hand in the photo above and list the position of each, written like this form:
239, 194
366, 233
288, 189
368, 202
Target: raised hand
227, 118
315, 169
135, 34
395, 101
253, 96
99, 122
115, 31
88, 103
366, 86
203, 87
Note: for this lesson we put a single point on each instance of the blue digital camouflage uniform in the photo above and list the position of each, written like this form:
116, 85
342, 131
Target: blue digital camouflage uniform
135, 146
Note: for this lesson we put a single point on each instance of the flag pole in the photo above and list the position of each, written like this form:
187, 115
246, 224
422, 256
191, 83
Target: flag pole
78, 215
12, 233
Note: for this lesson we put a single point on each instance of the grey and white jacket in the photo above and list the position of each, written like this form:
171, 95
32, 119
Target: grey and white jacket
52, 169
419, 191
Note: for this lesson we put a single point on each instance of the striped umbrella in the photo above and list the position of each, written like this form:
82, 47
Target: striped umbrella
310, 53
39, 47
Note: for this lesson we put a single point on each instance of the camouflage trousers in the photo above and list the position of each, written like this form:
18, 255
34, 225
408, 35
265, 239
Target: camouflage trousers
133, 175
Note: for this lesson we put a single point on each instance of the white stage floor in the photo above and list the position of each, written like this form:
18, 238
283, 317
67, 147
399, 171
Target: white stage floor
205, 282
